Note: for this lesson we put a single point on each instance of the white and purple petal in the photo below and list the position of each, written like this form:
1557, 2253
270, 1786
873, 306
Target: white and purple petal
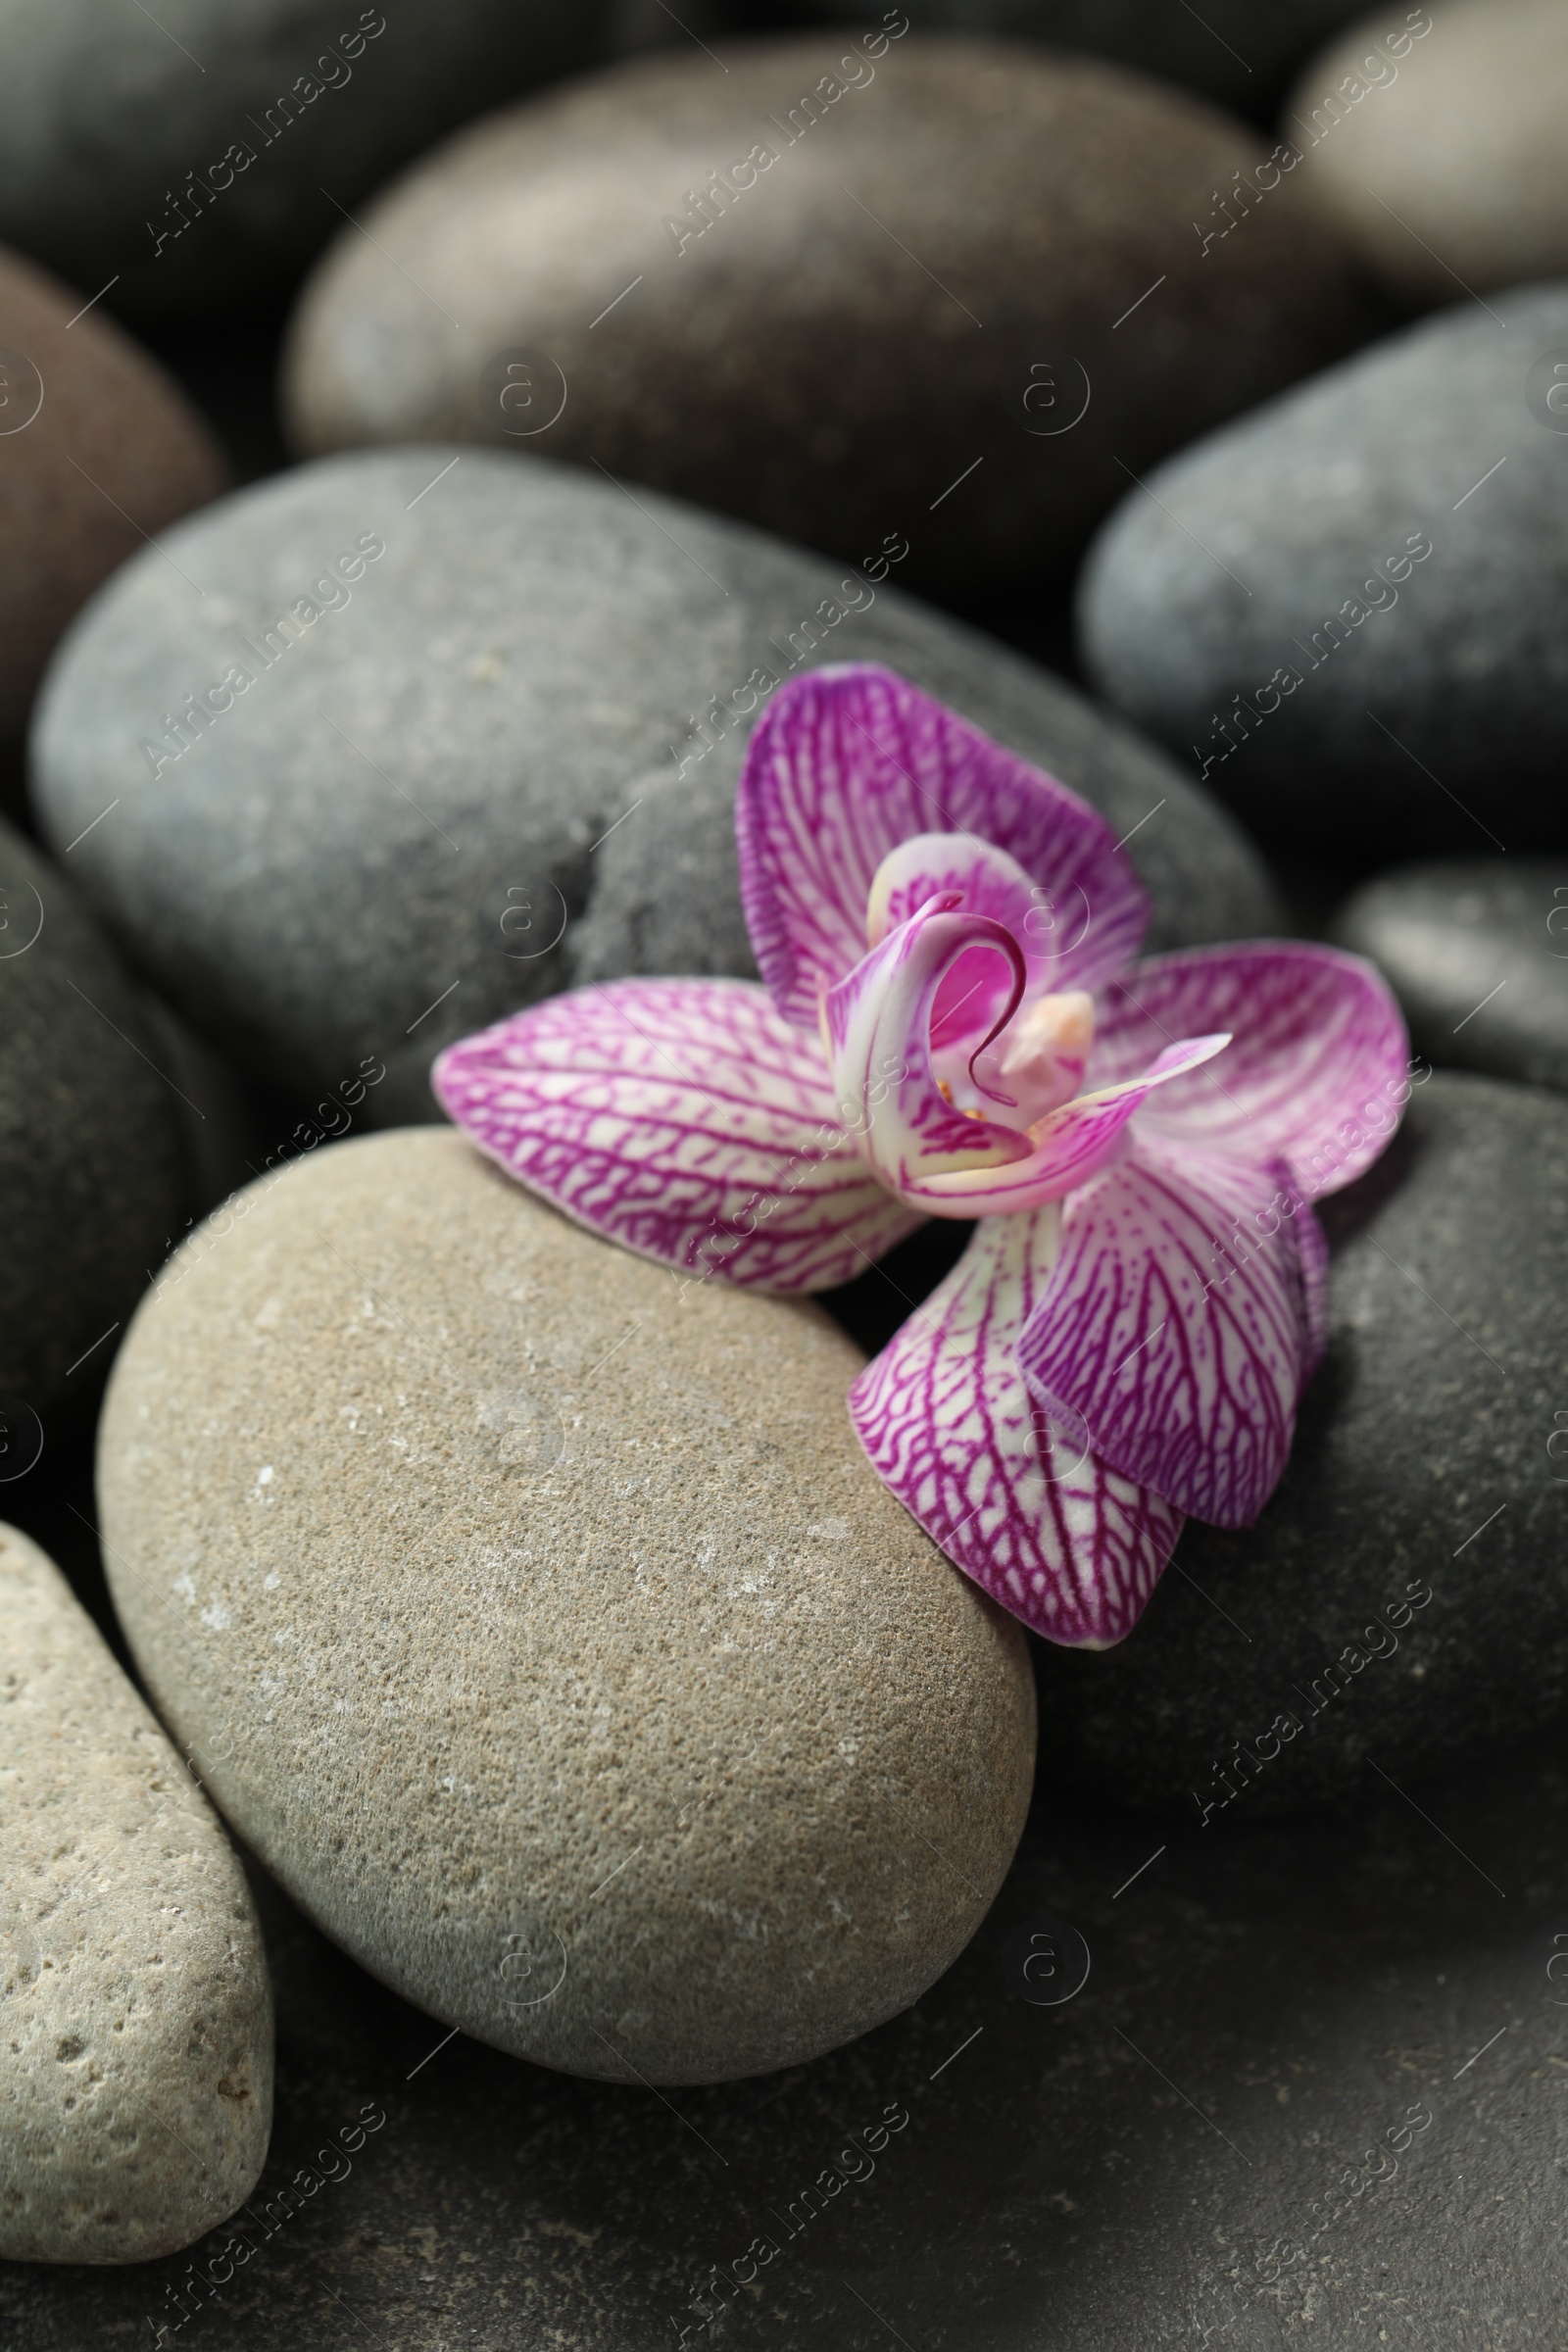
1177, 1322
1069, 1145
1317, 1073
847, 764
685, 1119
1038, 1521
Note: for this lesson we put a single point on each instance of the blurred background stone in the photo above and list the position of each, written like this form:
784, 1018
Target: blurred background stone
93, 1177
202, 154
1435, 142
1476, 950
99, 451
1350, 610
1236, 51
819, 339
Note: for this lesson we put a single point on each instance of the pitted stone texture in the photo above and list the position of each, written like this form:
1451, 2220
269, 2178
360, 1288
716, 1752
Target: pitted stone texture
479, 774
577, 1674
135, 2014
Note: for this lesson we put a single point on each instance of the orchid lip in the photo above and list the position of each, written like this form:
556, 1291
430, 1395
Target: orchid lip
930, 1149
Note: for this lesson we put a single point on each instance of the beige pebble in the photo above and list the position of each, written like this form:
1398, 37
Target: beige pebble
544, 1628
1441, 153
135, 2015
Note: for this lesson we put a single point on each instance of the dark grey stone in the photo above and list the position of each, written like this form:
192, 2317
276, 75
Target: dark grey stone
1477, 952
1156, 2162
93, 1181
1426, 1461
220, 1127
402, 829
828, 344
108, 112
1432, 722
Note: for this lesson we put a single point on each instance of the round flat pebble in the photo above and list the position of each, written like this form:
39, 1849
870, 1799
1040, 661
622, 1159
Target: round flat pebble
136, 2062
553, 1642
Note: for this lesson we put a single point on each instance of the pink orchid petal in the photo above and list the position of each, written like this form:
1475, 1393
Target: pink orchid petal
1176, 1322
848, 762
1042, 1525
683, 1118
876, 1026
1318, 1071
1069, 1146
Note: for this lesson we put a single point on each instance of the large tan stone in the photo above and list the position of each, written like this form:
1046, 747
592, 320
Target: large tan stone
539, 1622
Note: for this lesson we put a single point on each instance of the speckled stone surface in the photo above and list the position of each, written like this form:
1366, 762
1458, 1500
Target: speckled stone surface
479, 773
185, 148
98, 452
1403, 1597
549, 1634
1350, 610
135, 2012
1476, 950
93, 1182
1441, 155
831, 346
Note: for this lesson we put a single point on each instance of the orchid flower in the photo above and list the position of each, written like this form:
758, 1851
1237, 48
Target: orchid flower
951, 1024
